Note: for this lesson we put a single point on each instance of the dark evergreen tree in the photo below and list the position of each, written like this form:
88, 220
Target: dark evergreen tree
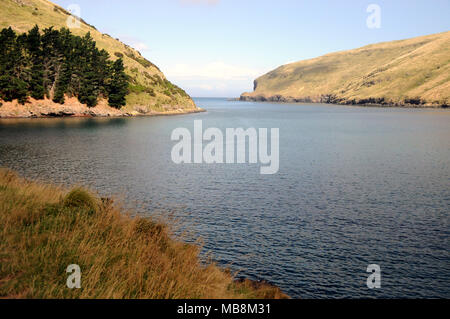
13, 88
12, 67
34, 46
55, 64
118, 87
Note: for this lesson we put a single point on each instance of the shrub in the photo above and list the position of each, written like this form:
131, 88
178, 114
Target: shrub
80, 198
146, 227
142, 61
138, 88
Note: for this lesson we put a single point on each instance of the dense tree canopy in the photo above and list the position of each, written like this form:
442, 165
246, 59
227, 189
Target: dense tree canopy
56, 63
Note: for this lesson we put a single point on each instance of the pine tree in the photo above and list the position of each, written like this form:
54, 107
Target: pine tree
58, 63
12, 67
34, 47
118, 87
62, 83
13, 88
52, 59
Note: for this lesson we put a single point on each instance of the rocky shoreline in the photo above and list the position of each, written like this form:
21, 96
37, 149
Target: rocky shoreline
72, 108
332, 99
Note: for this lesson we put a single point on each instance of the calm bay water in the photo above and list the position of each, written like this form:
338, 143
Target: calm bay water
356, 186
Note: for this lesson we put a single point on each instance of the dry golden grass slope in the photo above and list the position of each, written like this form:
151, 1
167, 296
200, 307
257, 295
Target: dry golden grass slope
44, 229
412, 72
150, 90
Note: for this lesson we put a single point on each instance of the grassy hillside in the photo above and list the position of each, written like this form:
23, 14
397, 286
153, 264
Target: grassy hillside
407, 72
149, 89
45, 229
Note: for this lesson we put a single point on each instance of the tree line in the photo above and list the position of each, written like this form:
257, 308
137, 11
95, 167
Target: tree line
54, 63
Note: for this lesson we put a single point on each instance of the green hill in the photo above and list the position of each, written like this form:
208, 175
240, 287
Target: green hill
412, 72
150, 91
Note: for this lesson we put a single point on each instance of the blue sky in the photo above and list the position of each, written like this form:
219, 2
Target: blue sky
218, 47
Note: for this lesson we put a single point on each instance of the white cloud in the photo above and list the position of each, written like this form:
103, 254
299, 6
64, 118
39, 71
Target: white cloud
215, 78
200, 2
135, 43
206, 87
140, 46
218, 70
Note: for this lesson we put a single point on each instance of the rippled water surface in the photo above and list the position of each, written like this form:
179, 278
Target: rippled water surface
356, 186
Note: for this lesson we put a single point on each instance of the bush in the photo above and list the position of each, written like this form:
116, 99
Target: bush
141, 89
91, 100
146, 227
81, 199
158, 79
142, 61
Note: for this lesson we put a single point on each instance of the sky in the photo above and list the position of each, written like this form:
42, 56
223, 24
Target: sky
216, 48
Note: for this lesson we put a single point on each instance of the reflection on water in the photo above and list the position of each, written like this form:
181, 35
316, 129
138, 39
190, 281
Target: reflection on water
61, 123
356, 186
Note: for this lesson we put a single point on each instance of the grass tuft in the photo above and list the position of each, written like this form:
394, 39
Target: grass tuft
82, 199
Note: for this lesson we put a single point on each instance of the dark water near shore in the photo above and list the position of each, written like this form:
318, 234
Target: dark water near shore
356, 186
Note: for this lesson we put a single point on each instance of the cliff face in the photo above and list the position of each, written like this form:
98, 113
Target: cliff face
412, 72
150, 91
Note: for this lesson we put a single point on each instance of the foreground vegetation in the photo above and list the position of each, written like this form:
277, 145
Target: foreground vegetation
46, 228
412, 72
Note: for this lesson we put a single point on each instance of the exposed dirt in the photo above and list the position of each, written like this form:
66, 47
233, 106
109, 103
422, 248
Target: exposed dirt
72, 108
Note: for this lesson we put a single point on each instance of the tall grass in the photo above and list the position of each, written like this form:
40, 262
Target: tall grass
45, 228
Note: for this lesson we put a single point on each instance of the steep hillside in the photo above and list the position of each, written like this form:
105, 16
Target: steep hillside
150, 91
413, 72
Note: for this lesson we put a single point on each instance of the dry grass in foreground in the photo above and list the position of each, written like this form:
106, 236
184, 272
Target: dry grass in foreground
45, 229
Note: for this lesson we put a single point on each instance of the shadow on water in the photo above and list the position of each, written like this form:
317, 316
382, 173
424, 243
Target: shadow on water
63, 123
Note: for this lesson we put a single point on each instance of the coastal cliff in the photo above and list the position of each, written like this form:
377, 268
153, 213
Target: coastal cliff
408, 73
149, 91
